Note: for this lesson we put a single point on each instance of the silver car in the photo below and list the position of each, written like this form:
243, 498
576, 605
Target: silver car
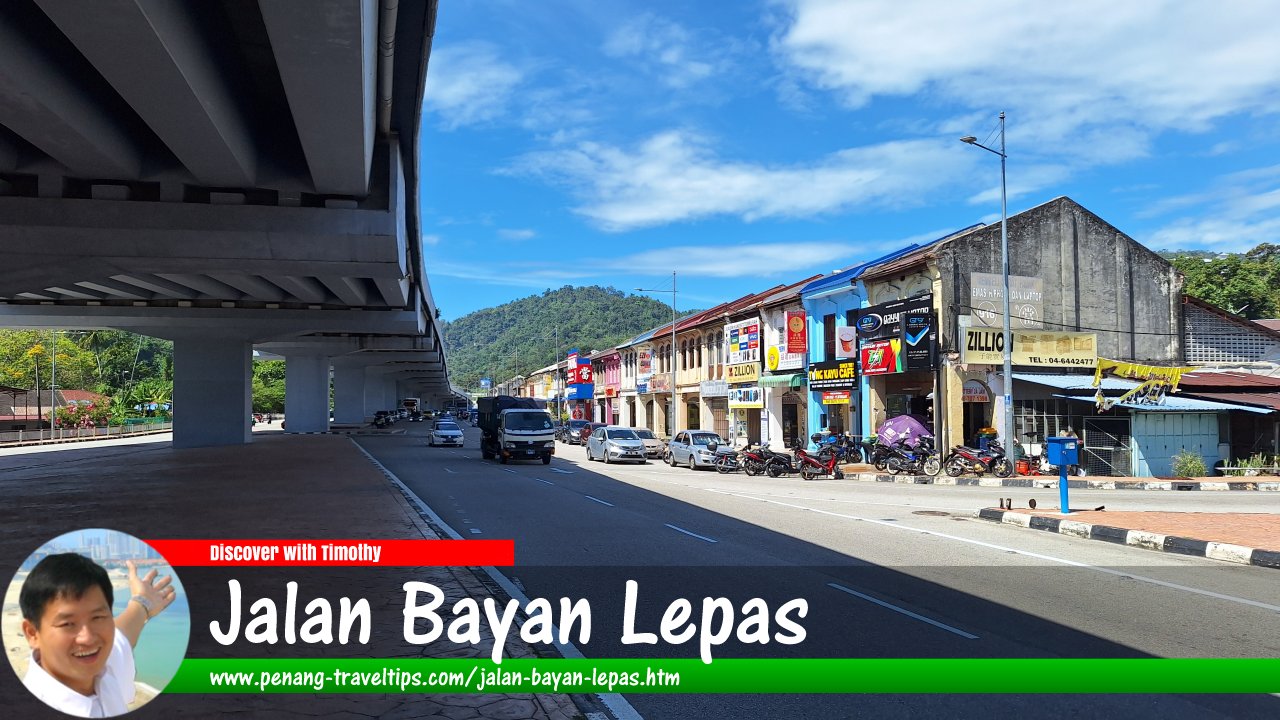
445, 432
653, 447
691, 447
612, 442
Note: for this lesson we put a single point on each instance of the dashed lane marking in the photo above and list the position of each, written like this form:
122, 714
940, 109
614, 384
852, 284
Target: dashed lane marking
690, 534
904, 611
596, 499
562, 472
450, 471
476, 531
548, 482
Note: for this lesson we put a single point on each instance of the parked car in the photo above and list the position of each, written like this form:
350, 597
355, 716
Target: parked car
586, 430
653, 447
613, 442
571, 432
445, 432
691, 447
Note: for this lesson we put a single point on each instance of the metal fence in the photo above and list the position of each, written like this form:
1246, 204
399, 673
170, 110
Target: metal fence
74, 434
1107, 447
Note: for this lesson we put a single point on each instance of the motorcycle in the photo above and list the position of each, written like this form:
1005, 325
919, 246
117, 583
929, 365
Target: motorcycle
726, 459
919, 460
778, 464
841, 445
753, 460
964, 459
814, 466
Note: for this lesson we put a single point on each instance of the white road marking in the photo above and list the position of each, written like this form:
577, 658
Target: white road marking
476, 531
615, 702
1002, 548
904, 611
598, 500
513, 472
562, 472
450, 471
544, 481
690, 534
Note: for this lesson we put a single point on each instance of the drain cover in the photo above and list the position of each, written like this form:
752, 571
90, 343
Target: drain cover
931, 513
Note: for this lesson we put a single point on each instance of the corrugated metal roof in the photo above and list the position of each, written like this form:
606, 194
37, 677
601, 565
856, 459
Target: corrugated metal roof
1272, 324
1215, 380
1271, 400
1075, 382
1178, 403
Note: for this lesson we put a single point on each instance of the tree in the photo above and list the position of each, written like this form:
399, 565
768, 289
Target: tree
1234, 283
268, 386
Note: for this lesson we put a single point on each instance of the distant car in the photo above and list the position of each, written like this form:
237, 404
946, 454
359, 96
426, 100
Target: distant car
653, 447
415, 416
572, 431
586, 430
445, 432
692, 448
612, 442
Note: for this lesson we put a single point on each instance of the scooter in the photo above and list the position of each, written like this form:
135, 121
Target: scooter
752, 460
813, 467
919, 460
726, 459
964, 459
778, 464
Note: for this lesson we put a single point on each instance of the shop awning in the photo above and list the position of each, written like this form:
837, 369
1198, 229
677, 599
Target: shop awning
795, 380
1175, 403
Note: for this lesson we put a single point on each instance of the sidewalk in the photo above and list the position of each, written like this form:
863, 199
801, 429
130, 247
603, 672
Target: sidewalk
867, 473
1244, 538
279, 486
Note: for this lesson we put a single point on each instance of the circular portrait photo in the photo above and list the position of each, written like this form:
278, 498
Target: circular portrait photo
95, 623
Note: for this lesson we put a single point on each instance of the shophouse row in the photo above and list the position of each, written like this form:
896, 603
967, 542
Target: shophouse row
919, 331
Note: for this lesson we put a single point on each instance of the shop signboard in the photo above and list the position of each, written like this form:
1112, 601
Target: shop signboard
836, 397
660, 383
833, 375
580, 378
746, 397
745, 373
743, 339
881, 357
644, 362
797, 332
910, 322
1026, 301
713, 388
974, 392
985, 346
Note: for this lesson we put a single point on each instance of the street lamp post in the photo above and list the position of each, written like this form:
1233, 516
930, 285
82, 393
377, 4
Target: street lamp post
672, 412
1007, 424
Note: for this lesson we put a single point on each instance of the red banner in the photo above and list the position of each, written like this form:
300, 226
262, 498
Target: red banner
797, 332
881, 357
378, 553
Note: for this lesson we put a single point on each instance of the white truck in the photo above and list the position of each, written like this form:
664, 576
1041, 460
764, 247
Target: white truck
515, 428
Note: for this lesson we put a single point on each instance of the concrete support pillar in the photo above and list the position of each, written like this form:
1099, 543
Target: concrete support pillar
642, 413
681, 419
772, 433
348, 394
212, 392
306, 393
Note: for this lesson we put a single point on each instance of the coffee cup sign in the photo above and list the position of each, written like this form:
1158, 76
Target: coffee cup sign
846, 342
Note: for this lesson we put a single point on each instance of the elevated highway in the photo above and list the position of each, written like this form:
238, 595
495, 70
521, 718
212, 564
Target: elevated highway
227, 174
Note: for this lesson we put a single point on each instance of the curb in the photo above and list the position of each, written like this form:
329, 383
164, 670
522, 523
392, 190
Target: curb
1047, 482
1138, 538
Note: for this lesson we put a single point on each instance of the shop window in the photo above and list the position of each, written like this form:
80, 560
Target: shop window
829, 337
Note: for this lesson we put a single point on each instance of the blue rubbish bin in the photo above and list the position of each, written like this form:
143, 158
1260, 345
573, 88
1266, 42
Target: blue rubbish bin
983, 442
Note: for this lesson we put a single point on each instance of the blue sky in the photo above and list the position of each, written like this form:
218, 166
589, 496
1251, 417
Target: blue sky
749, 144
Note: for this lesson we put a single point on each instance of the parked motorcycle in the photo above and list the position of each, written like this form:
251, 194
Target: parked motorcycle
964, 459
778, 464
753, 460
922, 459
725, 460
817, 465
842, 445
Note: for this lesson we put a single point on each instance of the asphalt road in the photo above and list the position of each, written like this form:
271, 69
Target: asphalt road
886, 571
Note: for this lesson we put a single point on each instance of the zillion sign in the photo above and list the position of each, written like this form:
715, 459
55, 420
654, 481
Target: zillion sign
985, 346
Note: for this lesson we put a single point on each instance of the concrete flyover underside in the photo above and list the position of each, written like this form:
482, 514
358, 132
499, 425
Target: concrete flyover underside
225, 175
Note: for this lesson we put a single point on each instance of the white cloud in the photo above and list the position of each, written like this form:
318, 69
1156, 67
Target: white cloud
676, 176
430, 239
1090, 77
734, 260
1241, 210
666, 48
517, 234
468, 83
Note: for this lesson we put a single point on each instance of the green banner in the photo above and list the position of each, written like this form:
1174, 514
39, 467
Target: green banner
729, 675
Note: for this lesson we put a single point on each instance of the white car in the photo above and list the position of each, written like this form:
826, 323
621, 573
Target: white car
653, 447
613, 442
445, 432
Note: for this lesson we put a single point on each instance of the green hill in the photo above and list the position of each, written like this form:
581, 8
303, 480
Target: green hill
518, 337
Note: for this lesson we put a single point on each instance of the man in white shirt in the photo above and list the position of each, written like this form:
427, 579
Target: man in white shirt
81, 657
